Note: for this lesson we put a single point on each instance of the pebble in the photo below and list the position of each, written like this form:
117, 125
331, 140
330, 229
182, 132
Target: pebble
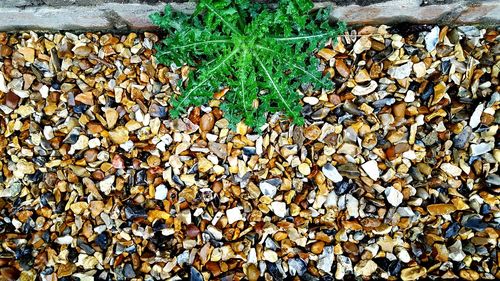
413, 273
234, 215
269, 187
419, 69
462, 138
279, 208
394, 196
207, 122
311, 100
304, 169
401, 72
364, 90
331, 173
475, 118
325, 259
119, 135
451, 169
482, 148
371, 169
161, 192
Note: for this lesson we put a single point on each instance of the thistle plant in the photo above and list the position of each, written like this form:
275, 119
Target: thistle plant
262, 54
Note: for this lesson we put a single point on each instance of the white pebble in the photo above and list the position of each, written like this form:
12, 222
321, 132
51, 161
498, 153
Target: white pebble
475, 119
331, 173
371, 169
279, 208
394, 196
234, 215
161, 192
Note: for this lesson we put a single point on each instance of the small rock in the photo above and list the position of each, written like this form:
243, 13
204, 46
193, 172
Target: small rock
413, 273
475, 118
431, 39
279, 208
482, 148
304, 169
362, 76
233, 215
207, 122
352, 205
296, 266
12, 100
195, 275
401, 72
342, 68
128, 271
111, 117
325, 259
161, 192
419, 69
441, 209
82, 51
456, 252
79, 207
365, 268
269, 187
119, 135
394, 196
134, 212
363, 44
252, 272
451, 169
326, 53
462, 138
270, 256
192, 231
311, 100
312, 132
106, 185
371, 169
85, 98
28, 53
364, 90
331, 173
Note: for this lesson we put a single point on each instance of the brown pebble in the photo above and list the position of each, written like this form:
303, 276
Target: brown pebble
317, 247
207, 122
192, 231
12, 100
342, 68
253, 272
90, 155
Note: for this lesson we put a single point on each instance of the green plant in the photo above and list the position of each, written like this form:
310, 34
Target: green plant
262, 54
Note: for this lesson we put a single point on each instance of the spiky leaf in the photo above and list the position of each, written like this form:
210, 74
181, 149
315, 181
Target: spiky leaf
262, 54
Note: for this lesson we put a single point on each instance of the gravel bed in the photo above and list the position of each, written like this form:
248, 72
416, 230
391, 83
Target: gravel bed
394, 176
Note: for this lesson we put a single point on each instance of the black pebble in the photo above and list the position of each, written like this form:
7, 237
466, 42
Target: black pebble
428, 92
343, 187
80, 108
36, 177
476, 224
128, 271
452, 230
274, 271
24, 255
395, 267
140, 178
135, 211
195, 275
102, 241
485, 209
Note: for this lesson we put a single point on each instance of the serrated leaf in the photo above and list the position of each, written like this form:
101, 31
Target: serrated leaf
262, 54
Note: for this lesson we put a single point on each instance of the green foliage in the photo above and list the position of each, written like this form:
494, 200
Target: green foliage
262, 54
